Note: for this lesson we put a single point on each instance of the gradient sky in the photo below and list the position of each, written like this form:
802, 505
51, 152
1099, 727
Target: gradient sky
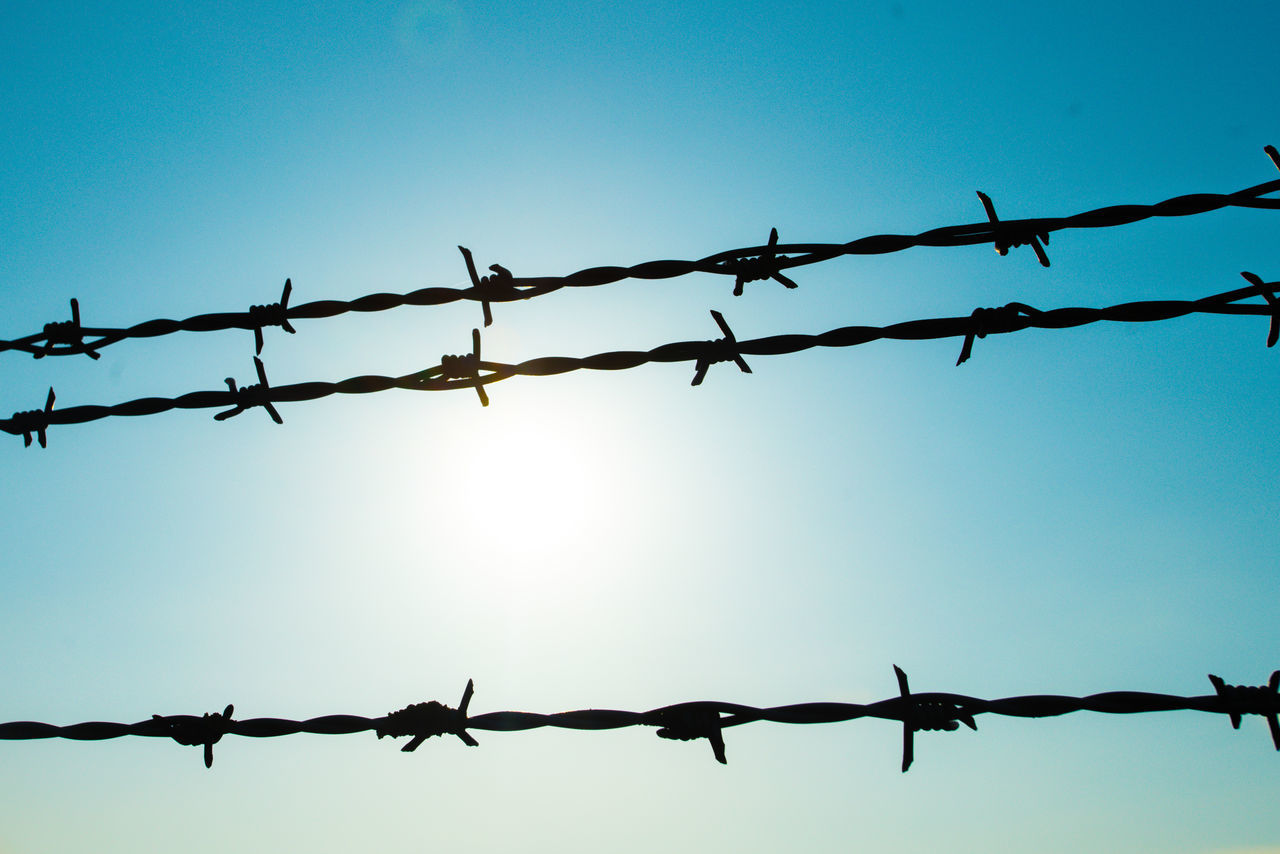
1069, 512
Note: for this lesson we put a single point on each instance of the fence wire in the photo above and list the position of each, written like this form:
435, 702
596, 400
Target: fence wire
683, 721
470, 371
917, 712
755, 263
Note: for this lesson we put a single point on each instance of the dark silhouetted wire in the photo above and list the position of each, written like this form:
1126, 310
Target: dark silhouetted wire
683, 721
470, 371
750, 264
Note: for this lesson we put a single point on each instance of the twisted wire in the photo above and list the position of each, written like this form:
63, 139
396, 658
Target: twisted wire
753, 263
470, 371
682, 721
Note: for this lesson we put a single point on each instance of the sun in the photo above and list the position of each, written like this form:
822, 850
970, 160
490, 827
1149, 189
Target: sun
528, 493
531, 506
539, 484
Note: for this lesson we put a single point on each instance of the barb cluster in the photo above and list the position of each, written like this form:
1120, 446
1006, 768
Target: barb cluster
204, 731
423, 720
682, 722
250, 396
275, 314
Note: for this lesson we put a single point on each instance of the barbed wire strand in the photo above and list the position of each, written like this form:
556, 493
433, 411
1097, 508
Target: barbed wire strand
683, 721
470, 371
756, 263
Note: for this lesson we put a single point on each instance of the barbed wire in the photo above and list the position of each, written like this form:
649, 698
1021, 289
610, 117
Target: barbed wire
470, 371
682, 721
750, 264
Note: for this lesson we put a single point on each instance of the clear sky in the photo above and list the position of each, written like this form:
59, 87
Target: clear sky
1069, 512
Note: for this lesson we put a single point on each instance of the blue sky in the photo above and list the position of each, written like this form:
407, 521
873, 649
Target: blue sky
1069, 512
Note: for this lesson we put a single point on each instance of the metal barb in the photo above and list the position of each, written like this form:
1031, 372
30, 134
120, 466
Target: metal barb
250, 396
687, 723
908, 732
192, 731
987, 321
1252, 700
275, 314
925, 715
759, 267
66, 333
466, 367
424, 720
720, 350
35, 421
1013, 239
501, 280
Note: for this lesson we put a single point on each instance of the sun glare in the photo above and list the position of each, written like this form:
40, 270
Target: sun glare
536, 484
539, 493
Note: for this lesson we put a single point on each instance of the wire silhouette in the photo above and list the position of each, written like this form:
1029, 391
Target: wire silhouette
470, 371
917, 712
682, 721
755, 263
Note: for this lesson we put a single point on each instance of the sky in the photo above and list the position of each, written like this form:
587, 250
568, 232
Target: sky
1068, 512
